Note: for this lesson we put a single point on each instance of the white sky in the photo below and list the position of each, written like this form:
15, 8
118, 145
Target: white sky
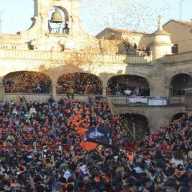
138, 15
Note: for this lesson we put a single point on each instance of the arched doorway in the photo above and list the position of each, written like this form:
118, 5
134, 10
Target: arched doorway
29, 82
81, 83
178, 116
128, 85
134, 126
179, 84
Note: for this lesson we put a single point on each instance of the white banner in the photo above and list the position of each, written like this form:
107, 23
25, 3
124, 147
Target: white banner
157, 101
143, 100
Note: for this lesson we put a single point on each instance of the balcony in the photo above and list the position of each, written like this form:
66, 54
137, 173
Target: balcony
68, 55
178, 58
115, 100
43, 97
147, 101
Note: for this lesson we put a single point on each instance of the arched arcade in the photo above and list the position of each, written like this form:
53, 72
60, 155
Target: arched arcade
179, 83
128, 85
79, 83
135, 126
28, 82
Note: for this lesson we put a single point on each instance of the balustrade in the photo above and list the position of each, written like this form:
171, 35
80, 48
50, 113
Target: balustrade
95, 58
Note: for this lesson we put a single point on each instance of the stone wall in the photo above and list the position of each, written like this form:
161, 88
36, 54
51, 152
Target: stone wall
157, 116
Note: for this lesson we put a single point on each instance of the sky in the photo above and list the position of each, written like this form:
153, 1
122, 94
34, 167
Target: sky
137, 15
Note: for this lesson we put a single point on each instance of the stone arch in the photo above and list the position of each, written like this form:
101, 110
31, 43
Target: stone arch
179, 83
80, 82
29, 82
171, 74
65, 12
128, 84
178, 116
135, 125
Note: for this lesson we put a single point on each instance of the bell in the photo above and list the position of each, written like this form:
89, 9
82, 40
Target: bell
56, 17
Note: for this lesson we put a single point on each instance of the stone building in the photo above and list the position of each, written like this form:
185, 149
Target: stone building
143, 75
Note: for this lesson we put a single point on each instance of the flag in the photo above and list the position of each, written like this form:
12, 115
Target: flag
88, 146
99, 135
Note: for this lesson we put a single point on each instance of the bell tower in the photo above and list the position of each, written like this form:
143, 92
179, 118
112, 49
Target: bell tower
57, 16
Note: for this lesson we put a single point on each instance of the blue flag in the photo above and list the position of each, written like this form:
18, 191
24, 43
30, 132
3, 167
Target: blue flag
99, 135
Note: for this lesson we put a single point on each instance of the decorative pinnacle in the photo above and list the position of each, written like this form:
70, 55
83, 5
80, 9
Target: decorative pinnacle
159, 23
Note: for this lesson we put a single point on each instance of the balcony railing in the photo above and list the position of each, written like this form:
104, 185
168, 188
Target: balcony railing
29, 97
178, 58
45, 97
67, 55
178, 100
116, 100
147, 101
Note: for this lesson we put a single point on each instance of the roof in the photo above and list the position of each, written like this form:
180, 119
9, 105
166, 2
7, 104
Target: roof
125, 31
121, 31
160, 32
184, 23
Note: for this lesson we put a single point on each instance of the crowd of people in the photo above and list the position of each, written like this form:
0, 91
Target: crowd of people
128, 86
123, 90
132, 49
27, 82
43, 148
81, 83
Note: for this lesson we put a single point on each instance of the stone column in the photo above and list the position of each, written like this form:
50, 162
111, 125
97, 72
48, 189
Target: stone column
2, 94
104, 88
53, 90
158, 88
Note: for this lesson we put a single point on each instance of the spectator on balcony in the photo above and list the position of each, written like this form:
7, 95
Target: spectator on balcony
70, 92
83, 84
27, 82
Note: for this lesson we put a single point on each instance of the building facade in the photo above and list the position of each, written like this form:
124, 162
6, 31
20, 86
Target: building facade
56, 53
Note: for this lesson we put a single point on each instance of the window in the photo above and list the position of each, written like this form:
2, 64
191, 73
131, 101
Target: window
175, 49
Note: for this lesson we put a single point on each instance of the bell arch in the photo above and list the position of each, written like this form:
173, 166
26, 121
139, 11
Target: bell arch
80, 83
128, 85
29, 82
179, 83
58, 21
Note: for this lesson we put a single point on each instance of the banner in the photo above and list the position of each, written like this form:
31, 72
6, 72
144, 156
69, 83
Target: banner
99, 135
157, 101
135, 99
